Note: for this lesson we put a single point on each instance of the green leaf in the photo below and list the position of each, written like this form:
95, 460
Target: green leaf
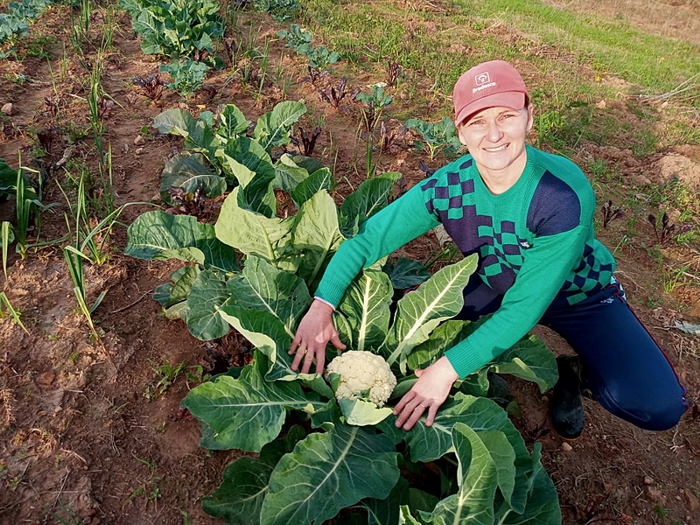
370, 197
542, 507
232, 123
365, 307
422, 310
321, 179
239, 499
158, 235
480, 414
266, 305
261, 286
289, 173
250, 232
181, 288
208, 294
316, 235
248, 412
444, 337
188, 172
328, 472
477, 478
406, 273
363, 413
386, 511
272, 128
531, 360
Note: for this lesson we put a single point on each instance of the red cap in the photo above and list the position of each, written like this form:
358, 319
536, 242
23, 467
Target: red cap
491, 84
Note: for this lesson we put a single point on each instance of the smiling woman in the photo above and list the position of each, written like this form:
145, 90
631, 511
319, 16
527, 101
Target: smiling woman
529, 217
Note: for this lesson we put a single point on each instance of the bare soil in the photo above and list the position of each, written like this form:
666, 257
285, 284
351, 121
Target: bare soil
82, 437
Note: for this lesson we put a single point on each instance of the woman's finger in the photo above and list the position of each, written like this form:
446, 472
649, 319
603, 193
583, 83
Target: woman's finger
300, 353
308, 360
414, 415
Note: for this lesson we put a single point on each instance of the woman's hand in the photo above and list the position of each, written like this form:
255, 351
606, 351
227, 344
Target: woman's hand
429, 392
313, 334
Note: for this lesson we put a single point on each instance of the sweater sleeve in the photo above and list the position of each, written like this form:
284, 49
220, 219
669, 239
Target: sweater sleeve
546, 266
399, 223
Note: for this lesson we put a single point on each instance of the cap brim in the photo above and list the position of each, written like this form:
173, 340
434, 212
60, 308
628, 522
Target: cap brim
509, 99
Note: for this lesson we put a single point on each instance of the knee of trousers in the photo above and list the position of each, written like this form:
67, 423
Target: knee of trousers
649, 413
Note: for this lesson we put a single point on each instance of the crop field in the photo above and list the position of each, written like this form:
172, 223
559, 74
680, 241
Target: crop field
175, 176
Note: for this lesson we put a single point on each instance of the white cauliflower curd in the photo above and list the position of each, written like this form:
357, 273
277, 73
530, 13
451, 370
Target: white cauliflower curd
360, 371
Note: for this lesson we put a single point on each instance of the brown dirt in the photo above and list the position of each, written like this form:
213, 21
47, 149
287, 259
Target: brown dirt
79, 439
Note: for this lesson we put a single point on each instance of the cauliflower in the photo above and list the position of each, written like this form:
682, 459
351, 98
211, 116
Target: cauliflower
360, 371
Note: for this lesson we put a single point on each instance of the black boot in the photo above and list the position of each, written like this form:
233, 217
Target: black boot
566, 407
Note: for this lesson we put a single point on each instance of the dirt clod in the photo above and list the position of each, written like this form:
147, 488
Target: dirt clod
45, 379
8, 109
648, 480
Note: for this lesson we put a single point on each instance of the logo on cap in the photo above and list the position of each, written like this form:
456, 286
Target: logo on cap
482, 78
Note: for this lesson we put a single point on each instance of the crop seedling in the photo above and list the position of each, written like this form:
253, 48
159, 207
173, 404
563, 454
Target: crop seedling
610, 213
347, 454
187, 76
319, 59
438, 136
334, 96
188, 203
306, 142
374, 105
664, 231
296, 38
387, 138
393, 72
152, 86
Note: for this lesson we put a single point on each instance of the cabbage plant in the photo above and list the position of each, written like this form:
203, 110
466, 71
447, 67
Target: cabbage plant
345, 462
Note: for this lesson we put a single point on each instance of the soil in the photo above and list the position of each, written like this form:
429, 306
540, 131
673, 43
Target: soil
87, 435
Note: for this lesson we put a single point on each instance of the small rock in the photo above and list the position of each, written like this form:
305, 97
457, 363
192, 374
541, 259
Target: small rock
655, 495
648, 480
139, 141
95, 521
183, 476
132, 397
601, 104
46, 378
8, 109
566, 447
693, 502
139, 151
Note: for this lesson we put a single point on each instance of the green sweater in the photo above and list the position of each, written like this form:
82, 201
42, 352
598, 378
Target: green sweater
534, 241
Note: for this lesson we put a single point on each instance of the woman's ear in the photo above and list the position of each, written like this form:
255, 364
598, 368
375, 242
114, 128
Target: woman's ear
530, 116
459, 133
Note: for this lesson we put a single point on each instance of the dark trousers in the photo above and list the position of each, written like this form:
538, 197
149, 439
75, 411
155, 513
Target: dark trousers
629, 375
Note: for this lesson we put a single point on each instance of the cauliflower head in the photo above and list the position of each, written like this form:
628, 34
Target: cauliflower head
360, 371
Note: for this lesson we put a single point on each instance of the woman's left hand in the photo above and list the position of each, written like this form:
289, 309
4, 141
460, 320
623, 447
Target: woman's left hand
429, 392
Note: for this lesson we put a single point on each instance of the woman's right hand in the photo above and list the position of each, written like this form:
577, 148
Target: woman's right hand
313, 334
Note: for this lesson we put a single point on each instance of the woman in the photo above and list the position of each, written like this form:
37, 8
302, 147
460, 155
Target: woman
529, 216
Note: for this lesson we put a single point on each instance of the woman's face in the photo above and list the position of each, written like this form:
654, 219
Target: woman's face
495, 138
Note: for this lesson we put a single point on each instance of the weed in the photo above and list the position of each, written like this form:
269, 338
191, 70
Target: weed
165, 374
672, 278
151, 487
